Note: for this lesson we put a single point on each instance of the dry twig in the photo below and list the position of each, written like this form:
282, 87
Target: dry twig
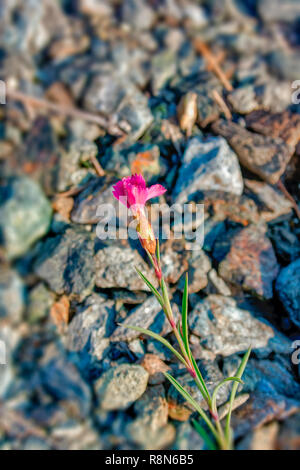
201, 47
220, 101
31, 101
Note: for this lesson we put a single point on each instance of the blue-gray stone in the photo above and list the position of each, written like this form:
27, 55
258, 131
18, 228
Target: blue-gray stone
25, 215
208, 165
288, 290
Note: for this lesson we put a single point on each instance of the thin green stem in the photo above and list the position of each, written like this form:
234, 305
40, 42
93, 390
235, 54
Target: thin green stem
224, 444
216, 430
203, 392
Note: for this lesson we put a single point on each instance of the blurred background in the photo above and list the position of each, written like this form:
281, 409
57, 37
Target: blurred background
202, 97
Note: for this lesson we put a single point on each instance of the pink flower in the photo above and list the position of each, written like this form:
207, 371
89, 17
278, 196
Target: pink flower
134, 189
133, 193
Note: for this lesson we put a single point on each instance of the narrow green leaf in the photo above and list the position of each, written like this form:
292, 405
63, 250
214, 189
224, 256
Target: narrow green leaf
191, 400
184, 314
150, 258
215, 392
151, 287
179, 328
166, 299
238, 374
164, 288
157, 251
158, 338
205, 391
200, 430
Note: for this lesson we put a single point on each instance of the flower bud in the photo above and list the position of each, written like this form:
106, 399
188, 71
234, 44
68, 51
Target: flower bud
146, 234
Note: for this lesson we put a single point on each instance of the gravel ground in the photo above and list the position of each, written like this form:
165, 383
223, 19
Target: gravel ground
199, 96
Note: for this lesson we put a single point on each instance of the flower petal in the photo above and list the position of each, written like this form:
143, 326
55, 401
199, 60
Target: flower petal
137, 180
120, 193
154, 191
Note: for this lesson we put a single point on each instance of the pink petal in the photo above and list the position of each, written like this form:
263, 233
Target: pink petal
137, 180
119, 192
134, 189
136, 195
154, 191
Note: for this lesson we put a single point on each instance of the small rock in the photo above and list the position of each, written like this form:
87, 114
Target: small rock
208, 109
71, 169
39, 157
97, 193
196, 16
62, 381
285, 240
199, 266
187, 438
12, 295
238, 401
173, 261
187, 112
101, 8
241, 210
120, 100
40, 302
289, 434
274, 95
273, 202
138, 14
276, 372
116, 267
76, 436
65, 263
263, 406
25, 215
142, 316
288, 290
218, 283
264, 156
149, 439
225, 329
123, 296
263, 438
63, 206
285, 125
137, 347
208, 165
150, 429
91, 326
121, 386
243, 99
72, 44
251, 261
275, 10
35, 443
286, 64
163, 69
147, 162
155, 367
9, 341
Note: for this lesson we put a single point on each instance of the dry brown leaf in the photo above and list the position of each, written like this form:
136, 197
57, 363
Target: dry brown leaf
60, 312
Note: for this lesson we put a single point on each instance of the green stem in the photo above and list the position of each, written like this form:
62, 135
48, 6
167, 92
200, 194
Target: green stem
218, 430
224, 444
